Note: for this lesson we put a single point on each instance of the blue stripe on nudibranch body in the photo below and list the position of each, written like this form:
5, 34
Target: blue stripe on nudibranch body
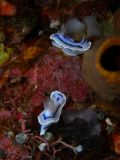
65, 40
60, 95
58, 99
61, 41
52, 116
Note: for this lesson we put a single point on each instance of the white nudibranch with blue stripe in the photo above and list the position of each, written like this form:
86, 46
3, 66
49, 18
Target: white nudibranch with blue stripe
52, 110
68, 45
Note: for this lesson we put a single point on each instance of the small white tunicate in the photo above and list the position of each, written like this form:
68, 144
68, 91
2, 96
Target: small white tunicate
48, 136
42, 147
79, 148
109, 122
21, 138
54, 24
40, 33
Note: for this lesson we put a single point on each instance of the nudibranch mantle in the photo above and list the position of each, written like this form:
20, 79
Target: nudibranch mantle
52, 110
68, 45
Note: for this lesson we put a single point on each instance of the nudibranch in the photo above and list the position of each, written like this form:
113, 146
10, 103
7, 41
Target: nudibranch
52, 110
71, 39
69, 45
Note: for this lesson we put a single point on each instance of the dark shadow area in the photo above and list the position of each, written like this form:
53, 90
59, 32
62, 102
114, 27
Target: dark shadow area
110, 60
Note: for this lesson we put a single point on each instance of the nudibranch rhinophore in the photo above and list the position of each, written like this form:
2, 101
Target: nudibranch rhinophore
74, 28
68, 45
93, 27
52, 110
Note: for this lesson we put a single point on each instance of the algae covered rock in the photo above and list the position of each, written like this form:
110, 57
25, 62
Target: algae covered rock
17, 27
108, 28
5, 53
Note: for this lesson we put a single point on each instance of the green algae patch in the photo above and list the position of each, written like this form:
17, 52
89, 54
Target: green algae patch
5, 53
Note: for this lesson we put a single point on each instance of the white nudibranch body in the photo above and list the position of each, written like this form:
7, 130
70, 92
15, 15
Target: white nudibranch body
68, 45
52, 110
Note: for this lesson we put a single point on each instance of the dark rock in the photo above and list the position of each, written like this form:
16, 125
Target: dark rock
3, 154
80, 127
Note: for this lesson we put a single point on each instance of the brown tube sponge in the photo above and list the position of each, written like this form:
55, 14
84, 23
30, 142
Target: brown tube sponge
101, 68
